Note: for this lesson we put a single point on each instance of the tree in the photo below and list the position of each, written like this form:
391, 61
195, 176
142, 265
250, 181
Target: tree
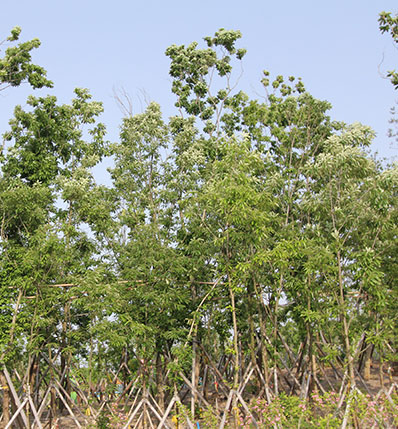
47, 197
248, 240
16, 66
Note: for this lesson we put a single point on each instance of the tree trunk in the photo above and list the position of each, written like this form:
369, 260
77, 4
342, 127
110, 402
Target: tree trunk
311, 354
350, 362
236, 348
159, 381
6, 399
367, 362
263, 341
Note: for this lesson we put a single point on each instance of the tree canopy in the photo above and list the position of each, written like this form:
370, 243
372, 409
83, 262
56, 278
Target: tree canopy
254, 232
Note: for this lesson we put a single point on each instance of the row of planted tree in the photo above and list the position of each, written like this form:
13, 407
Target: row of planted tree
245, 248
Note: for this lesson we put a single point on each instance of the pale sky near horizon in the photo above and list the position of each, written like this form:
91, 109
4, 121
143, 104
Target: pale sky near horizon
334, 46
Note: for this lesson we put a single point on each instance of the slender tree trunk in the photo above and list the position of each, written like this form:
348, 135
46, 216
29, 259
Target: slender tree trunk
194, 380
6, 398
159, 380
90, 367
253, 347
205, 382
33, 375
263, 340
53, 402
252, 341
236, 349
311, 354
368, 363
65, 356
275, 330
350, 363
235, 328
145, 408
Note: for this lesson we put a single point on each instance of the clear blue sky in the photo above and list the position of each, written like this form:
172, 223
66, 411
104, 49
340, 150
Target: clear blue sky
335, 46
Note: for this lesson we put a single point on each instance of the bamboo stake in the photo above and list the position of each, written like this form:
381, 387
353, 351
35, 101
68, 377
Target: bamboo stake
246, 408
194, 389
15, 396
165, 415
133, 414
227, 405
43, 402
149, 419
34, 411
67, 406
19, 411
139, 420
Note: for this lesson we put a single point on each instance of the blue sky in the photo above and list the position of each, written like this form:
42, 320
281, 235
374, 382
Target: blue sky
334, 46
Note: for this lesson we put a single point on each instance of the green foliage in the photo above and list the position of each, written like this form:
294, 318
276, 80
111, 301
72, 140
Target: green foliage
16, 65
260, 214
321, 411
48, 140
103, 420
388, 23
42, 244
192, 71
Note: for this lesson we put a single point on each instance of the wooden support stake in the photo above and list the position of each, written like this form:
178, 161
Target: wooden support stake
139, 420
194, 390
66, 394
67, 406
133, 414
149, 419
134, 402
227, 405
162, 422
19, 411
190, 424
153, 410
43, 402
34, 411
15, 396
246, 408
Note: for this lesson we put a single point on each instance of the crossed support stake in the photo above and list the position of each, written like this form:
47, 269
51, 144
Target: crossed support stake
26, 403
148, 402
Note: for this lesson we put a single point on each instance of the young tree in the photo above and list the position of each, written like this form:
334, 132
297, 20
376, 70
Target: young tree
47, 187
16, 68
